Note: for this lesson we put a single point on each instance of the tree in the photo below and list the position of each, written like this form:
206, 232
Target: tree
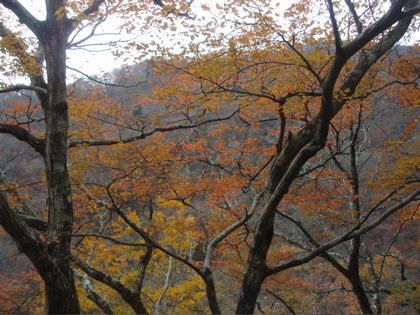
293, 83
51, 257
298, 77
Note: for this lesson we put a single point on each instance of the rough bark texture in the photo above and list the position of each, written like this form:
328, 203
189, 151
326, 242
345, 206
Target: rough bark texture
60, 212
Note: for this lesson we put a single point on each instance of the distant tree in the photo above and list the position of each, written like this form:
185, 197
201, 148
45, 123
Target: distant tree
138, 111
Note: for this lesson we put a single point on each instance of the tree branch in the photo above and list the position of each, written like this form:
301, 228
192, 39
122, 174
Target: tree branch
278, 297
337, 37
130, 297
391, 17
27, 240
113, 240
92, 294
104, 83
145, 134
24, 135
19, 87
359, 25
357, 230
35, 223
24, 16
93, 7
32, 65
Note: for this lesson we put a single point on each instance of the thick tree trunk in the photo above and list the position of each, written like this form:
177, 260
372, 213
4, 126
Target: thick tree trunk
285, 169
256, 267
360, 293
50, 257
61, 295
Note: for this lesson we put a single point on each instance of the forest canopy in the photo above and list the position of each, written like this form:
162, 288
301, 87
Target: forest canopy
244, 157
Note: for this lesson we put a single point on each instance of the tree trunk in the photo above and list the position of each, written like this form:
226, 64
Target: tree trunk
211, 292
286, 167
256, 267
61, 296
50, 257
53, 33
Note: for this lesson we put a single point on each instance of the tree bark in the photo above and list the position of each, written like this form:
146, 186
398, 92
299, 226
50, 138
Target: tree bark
57, 284
53, 258
128, 295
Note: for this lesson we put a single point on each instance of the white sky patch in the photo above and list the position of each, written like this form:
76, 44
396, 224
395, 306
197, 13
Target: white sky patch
94, 56
96, 59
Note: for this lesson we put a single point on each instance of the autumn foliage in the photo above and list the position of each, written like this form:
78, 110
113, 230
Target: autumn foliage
264, 161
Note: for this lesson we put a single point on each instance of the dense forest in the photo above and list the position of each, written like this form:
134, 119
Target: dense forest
267, 162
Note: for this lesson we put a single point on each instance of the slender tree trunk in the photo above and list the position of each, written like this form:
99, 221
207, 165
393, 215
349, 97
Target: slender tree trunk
355, 244
360, 293
211, 292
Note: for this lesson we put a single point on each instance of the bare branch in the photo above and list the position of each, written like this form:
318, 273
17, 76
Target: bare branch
129, 296
357, 230
145, 134
19, 87
113, 240
359, 25
104, 83
224, 234
278, 297
92, 295
90, 35
337, 37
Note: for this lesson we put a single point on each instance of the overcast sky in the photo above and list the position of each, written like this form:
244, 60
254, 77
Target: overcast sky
96, 62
